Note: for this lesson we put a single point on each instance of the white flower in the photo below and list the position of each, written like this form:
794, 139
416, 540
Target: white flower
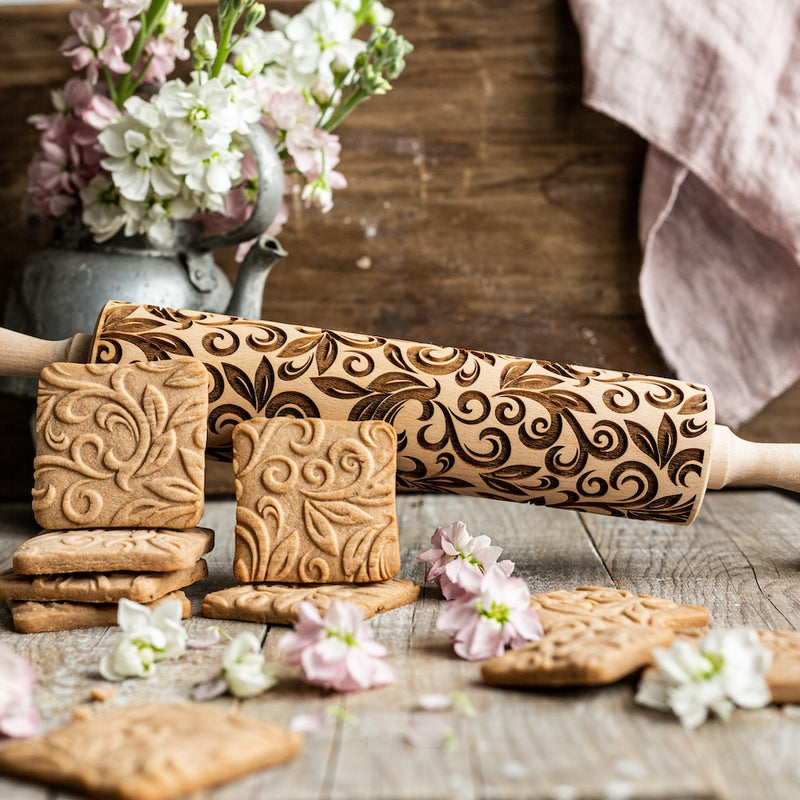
149, 636
321, 42
102, 213
244, 667
204, 43
726, 669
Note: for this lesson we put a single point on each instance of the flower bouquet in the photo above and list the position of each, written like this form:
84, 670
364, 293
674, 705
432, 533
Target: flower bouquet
130, 149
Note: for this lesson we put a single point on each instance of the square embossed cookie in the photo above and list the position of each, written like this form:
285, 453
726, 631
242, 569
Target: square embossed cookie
278, 603
112, 549
315, 501
616, 605
150, 751
121, 445
99, 587
31, 616
584, 651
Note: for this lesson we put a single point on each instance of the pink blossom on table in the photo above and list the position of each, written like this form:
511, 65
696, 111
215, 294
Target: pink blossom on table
484, 623
337, 651
18, 714
101, 39
459, 560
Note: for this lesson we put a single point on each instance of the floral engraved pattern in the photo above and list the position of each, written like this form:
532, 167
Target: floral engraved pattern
279, 602
315, 501
467, 422
120, 445
153, 750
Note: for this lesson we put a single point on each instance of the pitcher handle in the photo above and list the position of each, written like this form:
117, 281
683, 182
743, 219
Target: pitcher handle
268, 199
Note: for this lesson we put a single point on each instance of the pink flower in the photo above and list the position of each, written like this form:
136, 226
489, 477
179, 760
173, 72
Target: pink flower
336, 651
483, 623
18, 715
101, 38
458, 560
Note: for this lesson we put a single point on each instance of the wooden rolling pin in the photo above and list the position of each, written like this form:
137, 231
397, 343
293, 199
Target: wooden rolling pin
467, 422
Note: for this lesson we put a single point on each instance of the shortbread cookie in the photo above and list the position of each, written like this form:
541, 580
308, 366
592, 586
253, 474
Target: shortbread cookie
584, 651
99, 587
616, 605
121, 446
783, 677
278, 603
110, 550
31, 616
154, 751
315, 501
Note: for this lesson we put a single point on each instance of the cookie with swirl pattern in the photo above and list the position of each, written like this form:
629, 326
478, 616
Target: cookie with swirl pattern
315, 501
583, 651
616, 605
121, 445
150, 751
99, 587
108, 550
278, 603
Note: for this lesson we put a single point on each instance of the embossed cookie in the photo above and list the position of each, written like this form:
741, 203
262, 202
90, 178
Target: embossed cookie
783, 677
154, 751
583, 651
99, 587
121, 445
315, 501
277, 603
110, 550
616, 605
31, 616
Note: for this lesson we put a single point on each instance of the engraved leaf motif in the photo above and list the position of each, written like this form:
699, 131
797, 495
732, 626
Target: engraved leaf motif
155, 408
341, 512
326, 353
319, 528
283, 561
193, 409
160, 452
391, 382
177, 490
299, 347
340, 388
661, 447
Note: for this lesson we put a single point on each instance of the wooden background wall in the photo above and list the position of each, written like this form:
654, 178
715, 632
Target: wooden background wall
493, 210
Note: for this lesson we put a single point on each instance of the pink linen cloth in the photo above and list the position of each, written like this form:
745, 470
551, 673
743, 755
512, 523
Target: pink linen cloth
714, 87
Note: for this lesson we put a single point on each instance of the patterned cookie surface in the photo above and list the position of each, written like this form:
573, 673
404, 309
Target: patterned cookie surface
783, 677
315, 501
31, 616
120, 446
583, 651
109, 550
278, 603
151, 751
99, 587
616, 605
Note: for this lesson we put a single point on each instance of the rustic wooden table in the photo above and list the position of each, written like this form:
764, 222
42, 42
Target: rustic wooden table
741, 558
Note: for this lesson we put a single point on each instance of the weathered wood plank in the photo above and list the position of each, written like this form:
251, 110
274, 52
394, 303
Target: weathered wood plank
739, 557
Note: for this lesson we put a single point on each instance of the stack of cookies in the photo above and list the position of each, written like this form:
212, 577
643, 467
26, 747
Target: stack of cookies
316, 520
119, 479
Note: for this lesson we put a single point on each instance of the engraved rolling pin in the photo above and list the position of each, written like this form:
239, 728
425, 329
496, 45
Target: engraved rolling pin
467, 422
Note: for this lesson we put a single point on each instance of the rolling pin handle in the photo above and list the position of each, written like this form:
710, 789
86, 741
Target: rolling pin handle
25, 356
737, 462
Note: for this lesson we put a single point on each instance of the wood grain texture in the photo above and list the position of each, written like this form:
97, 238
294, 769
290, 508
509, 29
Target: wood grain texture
739, 557
494, 210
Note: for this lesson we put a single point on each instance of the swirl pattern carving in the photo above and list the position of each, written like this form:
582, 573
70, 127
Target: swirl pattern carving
315, 501
120, 446
467, 422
